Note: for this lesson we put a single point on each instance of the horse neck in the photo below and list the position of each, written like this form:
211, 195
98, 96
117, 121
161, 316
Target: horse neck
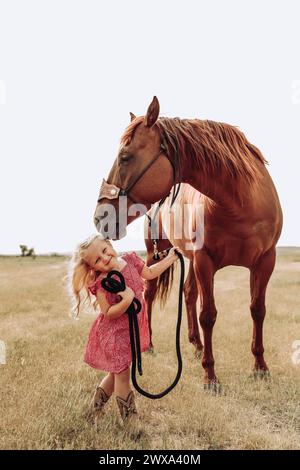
224, 190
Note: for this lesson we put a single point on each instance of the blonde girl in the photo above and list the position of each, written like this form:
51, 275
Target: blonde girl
108, 347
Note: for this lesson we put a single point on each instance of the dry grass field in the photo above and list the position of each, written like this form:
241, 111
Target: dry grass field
46, 388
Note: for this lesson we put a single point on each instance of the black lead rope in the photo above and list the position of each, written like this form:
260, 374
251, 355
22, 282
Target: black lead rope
113, 285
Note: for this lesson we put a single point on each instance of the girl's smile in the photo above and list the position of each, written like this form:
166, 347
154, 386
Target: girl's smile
101, 256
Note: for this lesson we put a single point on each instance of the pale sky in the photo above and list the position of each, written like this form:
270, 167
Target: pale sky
70, 72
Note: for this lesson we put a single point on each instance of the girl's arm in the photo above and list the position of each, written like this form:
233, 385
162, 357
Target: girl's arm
115, 311
155, 270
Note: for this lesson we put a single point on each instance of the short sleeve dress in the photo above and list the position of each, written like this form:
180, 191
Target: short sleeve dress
108, 346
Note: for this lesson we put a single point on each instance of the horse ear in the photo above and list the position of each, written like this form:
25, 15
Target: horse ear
152, 113
132, 116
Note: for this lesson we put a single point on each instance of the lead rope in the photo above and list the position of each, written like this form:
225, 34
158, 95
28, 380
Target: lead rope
113, 285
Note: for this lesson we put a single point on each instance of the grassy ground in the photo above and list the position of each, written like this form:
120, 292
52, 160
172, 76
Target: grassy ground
46, 387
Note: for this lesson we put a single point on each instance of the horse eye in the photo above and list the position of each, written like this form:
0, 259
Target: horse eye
126, 158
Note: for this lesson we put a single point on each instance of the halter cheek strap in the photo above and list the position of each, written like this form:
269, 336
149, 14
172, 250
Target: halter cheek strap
130, 186
111, 191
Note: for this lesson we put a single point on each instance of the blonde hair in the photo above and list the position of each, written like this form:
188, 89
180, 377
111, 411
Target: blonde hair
80, 276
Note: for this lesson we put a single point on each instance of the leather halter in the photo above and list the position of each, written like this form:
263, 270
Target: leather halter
111, 191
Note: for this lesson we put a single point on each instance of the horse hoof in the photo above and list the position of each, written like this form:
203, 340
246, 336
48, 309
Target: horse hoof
261, 374
198, 354
213, 387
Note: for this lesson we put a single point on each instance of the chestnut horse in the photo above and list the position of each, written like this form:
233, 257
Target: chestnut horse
242, 213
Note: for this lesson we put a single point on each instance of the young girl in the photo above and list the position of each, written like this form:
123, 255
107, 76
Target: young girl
108, 346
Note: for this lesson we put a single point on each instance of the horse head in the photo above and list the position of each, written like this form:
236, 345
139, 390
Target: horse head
141, 174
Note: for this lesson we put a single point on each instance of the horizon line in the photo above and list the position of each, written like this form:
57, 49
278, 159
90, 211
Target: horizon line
68, 253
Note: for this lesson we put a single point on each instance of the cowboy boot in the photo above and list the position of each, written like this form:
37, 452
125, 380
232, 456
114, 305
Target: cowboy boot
129, 413
99, 400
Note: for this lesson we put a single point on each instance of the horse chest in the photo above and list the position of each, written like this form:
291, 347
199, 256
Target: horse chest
184, 225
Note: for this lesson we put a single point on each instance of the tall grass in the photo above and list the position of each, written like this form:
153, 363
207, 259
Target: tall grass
46, 388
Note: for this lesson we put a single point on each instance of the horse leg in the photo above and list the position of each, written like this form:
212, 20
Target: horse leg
152, 285
150, 291
191, 296
205, 271
259, 278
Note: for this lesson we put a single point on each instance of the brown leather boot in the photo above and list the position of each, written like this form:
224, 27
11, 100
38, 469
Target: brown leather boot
99, 400
129, 413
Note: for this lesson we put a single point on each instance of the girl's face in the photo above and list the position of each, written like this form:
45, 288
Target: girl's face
101, 256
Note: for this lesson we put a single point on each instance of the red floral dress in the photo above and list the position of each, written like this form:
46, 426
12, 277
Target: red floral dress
108, 346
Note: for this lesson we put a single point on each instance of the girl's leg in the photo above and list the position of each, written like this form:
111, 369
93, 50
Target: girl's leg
122, 384
108, 383
101, 396
125, 401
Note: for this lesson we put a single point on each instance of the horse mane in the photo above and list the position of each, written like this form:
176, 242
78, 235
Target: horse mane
214, 147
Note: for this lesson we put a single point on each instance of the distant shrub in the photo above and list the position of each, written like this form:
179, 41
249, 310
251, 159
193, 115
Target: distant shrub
27, 252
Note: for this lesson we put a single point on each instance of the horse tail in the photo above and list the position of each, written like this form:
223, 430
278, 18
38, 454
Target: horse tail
164, 286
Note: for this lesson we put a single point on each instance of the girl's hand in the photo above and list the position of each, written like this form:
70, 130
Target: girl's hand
172, 253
